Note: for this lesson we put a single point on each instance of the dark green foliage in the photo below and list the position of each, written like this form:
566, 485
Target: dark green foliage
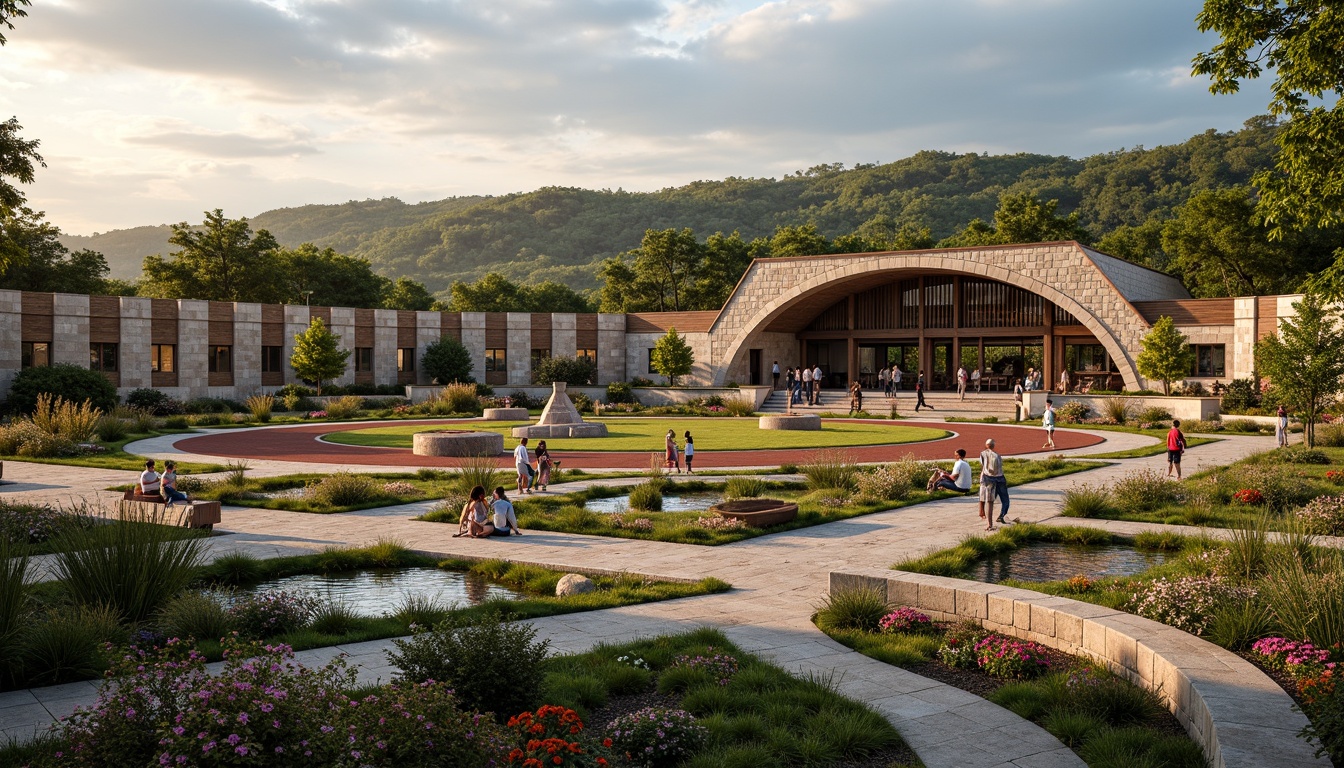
71, 382
1240, 396
446, 361
154, 401
621, 392
574, 371
67, 644
493, 665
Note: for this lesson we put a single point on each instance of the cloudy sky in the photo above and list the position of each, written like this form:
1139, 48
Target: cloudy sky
151, 111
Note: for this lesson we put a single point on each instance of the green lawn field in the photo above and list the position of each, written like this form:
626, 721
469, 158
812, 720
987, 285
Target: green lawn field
633, 434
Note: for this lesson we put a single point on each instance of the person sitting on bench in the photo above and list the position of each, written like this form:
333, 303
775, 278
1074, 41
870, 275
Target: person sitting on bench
149, 480
168, 484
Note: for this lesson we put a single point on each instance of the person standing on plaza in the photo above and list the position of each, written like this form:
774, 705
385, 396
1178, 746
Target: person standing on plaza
788, 385
1175, 448
883, 376
962, 379
1064, 382
689, 452
895, 380
544, 464
797, 386
670, 460
855, 398
992, 484
1281, 427
523, 463
807, 384
1048, 422
774, 374
975, 380
1017, 401
816, 384
919, 393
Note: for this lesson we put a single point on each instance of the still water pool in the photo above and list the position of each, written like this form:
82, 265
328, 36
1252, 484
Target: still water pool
1053, 562
690, 502
379, 591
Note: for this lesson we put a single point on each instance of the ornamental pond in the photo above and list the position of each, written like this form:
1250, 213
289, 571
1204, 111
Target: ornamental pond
379, 591
1050, 561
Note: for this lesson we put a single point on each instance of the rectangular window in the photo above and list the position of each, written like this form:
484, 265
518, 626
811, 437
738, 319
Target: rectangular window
496, 360
1209, 359
587, 354
405, 359
221, 359
538, 355
270, 359
103, 357
363, 359
36, 354
163, 358
649, 367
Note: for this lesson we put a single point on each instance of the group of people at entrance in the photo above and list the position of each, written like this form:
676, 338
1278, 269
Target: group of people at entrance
802, 384
993, 485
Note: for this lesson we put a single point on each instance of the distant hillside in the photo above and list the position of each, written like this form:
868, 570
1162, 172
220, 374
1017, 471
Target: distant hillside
562, 233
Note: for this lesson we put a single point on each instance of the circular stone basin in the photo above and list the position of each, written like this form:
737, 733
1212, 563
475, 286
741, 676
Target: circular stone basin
458, 443
757, 513
809, 422
505, 414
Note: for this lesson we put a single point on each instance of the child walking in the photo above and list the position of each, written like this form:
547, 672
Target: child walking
689, 453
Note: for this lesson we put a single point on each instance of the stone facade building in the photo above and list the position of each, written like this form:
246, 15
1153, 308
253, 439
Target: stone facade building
1001, 309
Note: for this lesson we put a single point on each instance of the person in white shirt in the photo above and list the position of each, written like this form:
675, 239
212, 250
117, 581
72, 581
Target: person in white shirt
774, 374
895, 379
1048, 422
522, 462
506, 521
959, 479
816, 384
149, 480
807, 384
962, 378
975, 379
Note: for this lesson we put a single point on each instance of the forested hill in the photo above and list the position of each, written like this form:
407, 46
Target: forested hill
562, 233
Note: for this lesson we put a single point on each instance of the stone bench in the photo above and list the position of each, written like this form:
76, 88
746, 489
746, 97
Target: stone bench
1237, 714
139, 508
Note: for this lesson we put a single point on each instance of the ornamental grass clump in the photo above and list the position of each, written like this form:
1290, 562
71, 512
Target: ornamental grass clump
1116, 410
1087, 501
344, 407
1144, 490
260, 407
647, 496
904, 619
860, 608
456, 398
62, 418
744, 488
720, 666
830, 469
267, 614
343, 489
472, 471
655, 737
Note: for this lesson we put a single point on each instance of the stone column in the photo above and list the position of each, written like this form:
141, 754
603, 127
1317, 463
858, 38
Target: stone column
343, 325
70, 330
428, 330
296, 322
246, 349
610, 348
1246, 316
193, 344
11, 337
519, 348
564, 334
384, 346
133, 354
473, 338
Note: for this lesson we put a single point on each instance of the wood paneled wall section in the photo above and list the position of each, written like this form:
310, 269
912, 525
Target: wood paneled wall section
272, 325
322, 313
659, 322
496, 330
541, 331
450, 324
585, 336
105, 328
876, 308
37, 310
1193, 311
406, 329
1267, 320
220, 334
833, 318
163, 330
363, 338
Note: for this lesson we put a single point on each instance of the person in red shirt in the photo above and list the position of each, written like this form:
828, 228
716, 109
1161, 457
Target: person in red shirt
1175, 447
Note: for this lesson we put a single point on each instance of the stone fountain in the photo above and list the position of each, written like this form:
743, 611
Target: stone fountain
561, 419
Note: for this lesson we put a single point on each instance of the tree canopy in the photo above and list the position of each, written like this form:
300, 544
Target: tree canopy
672, 357
1304, 361
317, 354
1166, 355
496, 293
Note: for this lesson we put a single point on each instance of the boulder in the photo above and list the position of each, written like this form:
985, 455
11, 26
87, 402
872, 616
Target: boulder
574, 584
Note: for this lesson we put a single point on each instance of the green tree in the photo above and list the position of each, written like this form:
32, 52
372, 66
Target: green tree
407, 294
446, 361
1304, 360
552, 296
574, 371
672, 357
222, 260
492, 293
667, 263
1166, 355
324, 278
1020, 218
794, 240
37, 261
317, 354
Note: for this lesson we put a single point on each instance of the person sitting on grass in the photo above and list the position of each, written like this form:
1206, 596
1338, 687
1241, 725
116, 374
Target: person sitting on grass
475, 519
958, 480
506, 521
168, 485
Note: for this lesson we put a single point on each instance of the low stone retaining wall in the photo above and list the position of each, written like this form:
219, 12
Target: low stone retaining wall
1240, 717
646, 395
1187, 408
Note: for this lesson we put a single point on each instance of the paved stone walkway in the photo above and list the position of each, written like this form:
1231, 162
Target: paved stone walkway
778, 581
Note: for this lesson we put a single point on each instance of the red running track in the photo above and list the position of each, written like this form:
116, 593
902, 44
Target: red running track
301, 444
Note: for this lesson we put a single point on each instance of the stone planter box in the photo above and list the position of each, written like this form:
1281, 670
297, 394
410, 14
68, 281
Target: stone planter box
757, 513
505, 414
1184, 408
807, 422
458, 443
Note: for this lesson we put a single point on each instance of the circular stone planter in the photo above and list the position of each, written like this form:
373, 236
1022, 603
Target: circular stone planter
757, 513
458, 443
809, 422
504, 414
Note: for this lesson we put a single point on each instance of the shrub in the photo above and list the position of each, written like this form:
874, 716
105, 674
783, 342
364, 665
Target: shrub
739, 406
1323, 516
959, 646
1330, 435
1073, 412
574, 371
1144, 490
621, 392
744, 488
1187, 602
1240, 396
260, 407
654, 737
132, 568
582, 402
647, 496
447, 360
203, 405
1116, 409
1299, 454
1153, 414
1087, 501
494, 666
176, 422
343, 489
1011, 659
460, 398
154, 401
344, 407
904, 620
110, 429
1245, 426
75, 383
29, 523
860, 608
267, 614
67, 643
195, 614
882, 483
829, 469
520, 399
